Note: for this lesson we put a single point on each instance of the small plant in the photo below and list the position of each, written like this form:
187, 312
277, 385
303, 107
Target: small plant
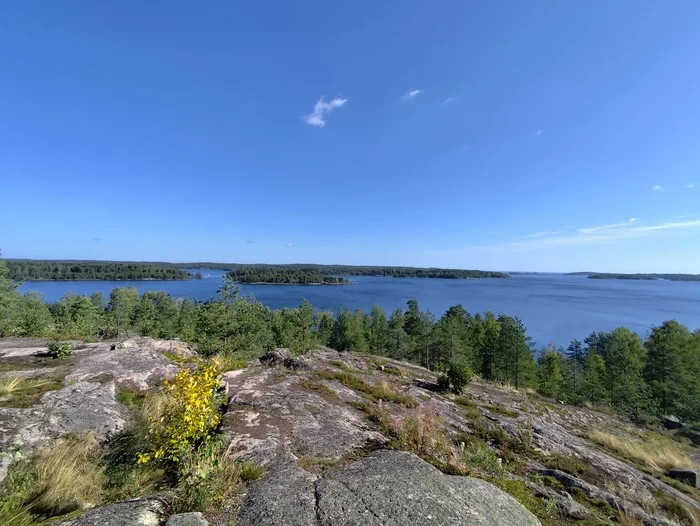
59, 350
443, 382
190, 414
460, 375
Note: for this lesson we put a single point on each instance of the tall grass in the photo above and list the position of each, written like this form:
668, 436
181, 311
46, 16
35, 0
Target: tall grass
655, 453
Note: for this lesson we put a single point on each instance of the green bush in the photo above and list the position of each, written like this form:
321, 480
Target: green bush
459, 375
443, 382
60, 349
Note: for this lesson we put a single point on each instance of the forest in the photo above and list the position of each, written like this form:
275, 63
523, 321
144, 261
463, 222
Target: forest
647, 277
38, 270
640, 378
351, 270
286, 276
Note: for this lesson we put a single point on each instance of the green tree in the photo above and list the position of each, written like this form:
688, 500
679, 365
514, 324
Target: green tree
35, 316
156, 315
9, 304
349, 331
514, 357
398, 339
324, 325
549, 373
669, 367
76, 317
121, 310
379, 338
624, 365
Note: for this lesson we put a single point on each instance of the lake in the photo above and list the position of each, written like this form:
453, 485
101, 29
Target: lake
554, 307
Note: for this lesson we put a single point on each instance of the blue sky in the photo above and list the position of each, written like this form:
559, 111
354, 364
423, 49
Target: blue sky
539, 135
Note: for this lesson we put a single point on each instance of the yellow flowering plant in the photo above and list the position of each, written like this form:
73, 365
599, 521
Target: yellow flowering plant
190, 415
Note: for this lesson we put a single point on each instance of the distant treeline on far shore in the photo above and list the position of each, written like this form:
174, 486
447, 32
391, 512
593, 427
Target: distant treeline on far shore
668, 277
299, 274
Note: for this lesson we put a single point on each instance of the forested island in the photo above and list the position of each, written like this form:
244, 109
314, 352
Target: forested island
66, 270
352, 270
282, 276
648, 277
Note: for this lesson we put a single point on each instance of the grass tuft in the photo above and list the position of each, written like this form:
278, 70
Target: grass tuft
378, 391
656, 453
26, 392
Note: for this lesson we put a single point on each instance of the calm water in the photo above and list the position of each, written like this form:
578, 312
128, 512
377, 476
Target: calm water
554, 307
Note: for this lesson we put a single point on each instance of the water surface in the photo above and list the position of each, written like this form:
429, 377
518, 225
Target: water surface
554, 307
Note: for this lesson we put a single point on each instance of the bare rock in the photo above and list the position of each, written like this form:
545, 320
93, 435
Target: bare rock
671, 422
386, 488
135, 512
687, 476
187, 519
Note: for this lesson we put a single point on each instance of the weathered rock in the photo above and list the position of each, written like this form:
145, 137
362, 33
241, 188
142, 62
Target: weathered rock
285, 496
126, 344
187, 519
274, 357
686, 476
140, 367
671, 422
79, 408
386, 488
136, 512
269, 412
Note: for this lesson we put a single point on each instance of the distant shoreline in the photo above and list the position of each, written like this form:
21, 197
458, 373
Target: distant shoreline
637, 277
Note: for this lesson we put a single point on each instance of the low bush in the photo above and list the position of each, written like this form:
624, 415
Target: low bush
459, 374
443, 382
59, 350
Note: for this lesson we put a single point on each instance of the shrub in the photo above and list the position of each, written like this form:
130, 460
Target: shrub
60, 349
443, 382
190, 414
459, 375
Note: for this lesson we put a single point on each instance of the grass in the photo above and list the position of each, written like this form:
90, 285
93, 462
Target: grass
339, 365
320, 389
378, 391
26, 392
502, 411
676, 510
131, 397
566, 463
656, 453
317, 464
472, 412
226, 362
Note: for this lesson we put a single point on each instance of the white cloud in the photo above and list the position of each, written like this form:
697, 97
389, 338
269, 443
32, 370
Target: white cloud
449, 100
539, 132
540, 234
596, 235
412, 94
657, 188
321, 108
290, 244
691, 185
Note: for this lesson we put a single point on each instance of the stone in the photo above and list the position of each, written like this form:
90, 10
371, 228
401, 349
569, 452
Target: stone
187, 519
671, 422
386, 488
126, 344
135, 512
275, 357
686, 476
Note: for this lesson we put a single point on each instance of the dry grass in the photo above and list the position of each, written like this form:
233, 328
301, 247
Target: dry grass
67, 477
627, 519
10, 384
378, 391
655, 453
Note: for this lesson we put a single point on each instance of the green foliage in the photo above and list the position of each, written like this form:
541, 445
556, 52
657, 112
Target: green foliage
279, 275
566, 463
60, 349
443, 382
34, 269
459, 374
378, 391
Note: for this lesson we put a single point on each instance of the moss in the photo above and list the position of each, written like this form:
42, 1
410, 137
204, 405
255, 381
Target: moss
566, 463
339, 365
131, 397
317, 465
379, 391
29, 393
320, 389
527, 497
674, 509
502, 411
582, 498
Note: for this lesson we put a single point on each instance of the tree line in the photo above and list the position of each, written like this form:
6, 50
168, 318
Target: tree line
647, 277
35, 270
642, 379
287, 276
352, 270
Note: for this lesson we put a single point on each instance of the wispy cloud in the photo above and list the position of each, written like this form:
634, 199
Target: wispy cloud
595, 235
657, 188
691, 185
540, 234
539, 132
412, 94
250, 241
290, 245
450, 100
321, 108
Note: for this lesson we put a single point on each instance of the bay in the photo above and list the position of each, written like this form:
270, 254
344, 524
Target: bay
554, 307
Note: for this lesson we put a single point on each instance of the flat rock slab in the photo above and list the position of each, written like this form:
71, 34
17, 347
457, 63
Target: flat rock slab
140, 367
689, 476
386, 488
187, 519
137, 512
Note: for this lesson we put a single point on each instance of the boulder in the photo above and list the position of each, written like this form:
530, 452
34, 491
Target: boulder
671, 422
386, 488
686, 476
275, 357
187, 519
135, 512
